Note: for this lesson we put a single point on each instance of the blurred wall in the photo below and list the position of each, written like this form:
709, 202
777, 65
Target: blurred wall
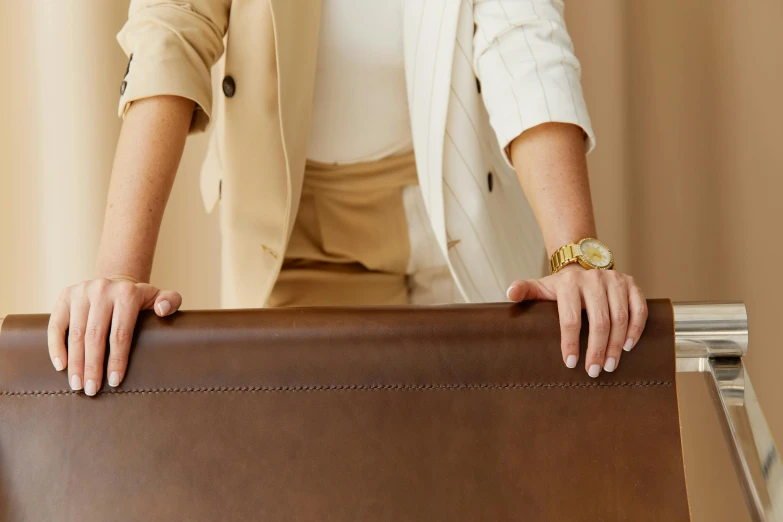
62, 69
686, 179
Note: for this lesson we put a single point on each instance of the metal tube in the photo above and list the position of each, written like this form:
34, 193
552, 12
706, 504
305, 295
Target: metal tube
710, 329
753, 452
712, 338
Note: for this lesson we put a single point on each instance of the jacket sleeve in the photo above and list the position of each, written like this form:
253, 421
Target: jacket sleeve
524, 58
172, 46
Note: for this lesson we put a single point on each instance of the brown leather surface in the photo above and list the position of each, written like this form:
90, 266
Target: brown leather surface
458, 413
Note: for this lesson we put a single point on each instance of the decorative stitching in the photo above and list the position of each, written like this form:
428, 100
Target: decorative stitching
359, 387
447, 185
432, 93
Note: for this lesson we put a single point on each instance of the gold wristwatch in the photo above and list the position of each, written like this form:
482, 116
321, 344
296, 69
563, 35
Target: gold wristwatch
588, 252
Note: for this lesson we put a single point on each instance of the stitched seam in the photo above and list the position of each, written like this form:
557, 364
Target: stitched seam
475, 231
466, 272
429, 116
565, 71
416, 52
358, 387
473, 176
505, 65
532, 55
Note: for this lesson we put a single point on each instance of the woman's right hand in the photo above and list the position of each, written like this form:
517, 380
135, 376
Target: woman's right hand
92, 311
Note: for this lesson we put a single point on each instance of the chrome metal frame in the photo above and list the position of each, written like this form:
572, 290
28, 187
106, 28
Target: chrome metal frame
712, 338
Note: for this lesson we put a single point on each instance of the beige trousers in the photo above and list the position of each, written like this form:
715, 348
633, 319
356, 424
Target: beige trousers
362, 237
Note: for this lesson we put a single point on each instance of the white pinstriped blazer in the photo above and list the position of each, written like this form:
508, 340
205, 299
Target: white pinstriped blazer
478, 72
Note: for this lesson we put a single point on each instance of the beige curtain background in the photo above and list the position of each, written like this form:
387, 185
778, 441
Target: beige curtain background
685, 98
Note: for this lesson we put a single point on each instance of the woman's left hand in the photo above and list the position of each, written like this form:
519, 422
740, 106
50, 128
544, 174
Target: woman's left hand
616, 312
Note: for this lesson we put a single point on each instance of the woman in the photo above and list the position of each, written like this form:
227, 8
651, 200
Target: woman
362, 153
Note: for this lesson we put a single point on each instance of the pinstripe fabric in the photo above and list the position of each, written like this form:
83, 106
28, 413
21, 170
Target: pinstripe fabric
522, 54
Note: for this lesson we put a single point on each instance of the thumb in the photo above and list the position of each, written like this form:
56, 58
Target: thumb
167, 302
528, 289
162, 302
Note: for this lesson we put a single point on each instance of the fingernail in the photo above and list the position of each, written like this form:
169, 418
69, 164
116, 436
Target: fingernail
89, 388
610, 364
114, 379
164, 307
628, 345
508, 292
594, 371
76, 382
58, 364
571, 361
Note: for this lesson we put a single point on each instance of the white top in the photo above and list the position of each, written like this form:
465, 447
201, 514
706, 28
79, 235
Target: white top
360, 105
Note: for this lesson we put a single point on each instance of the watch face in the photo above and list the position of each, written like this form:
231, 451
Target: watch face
595, 253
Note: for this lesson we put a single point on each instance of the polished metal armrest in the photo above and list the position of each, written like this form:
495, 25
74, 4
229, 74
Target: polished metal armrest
712, 338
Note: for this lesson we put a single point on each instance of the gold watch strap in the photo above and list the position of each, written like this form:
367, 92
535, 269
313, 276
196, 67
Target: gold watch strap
564, 255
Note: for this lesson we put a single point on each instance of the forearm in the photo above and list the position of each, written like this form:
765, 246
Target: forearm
551, 166
145, 165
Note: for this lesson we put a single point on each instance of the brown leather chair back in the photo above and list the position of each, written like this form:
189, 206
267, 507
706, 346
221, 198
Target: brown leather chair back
457, 413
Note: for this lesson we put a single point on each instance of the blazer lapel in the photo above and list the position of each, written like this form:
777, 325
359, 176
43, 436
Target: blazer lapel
430, 34
296, 26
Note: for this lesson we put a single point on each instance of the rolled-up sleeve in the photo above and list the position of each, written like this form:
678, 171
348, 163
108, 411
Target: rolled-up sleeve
524, 58
172, 47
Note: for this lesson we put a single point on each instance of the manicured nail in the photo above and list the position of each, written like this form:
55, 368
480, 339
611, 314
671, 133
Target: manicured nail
628, 345
508, 292
89, 388
164, 307
594, 371
571, 361
114, 379
610, 364
76, 382
58, 364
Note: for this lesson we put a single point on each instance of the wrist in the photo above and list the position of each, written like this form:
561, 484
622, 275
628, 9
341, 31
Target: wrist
121, 274
571, 266
123, 277
588, 253
123, 267
553, 244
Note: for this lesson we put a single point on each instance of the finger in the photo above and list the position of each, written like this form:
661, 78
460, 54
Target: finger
617, 294
163, 302
126, 311
569, 307
530, 290
597, 306
638, 315
167, 302
95, 337
55, 333
80, 309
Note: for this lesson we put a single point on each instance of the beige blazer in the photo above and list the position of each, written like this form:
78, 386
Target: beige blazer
263, 85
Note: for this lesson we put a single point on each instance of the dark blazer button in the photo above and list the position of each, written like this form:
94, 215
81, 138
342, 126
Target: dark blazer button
122, 87
478, 85
229, 87
489, 180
